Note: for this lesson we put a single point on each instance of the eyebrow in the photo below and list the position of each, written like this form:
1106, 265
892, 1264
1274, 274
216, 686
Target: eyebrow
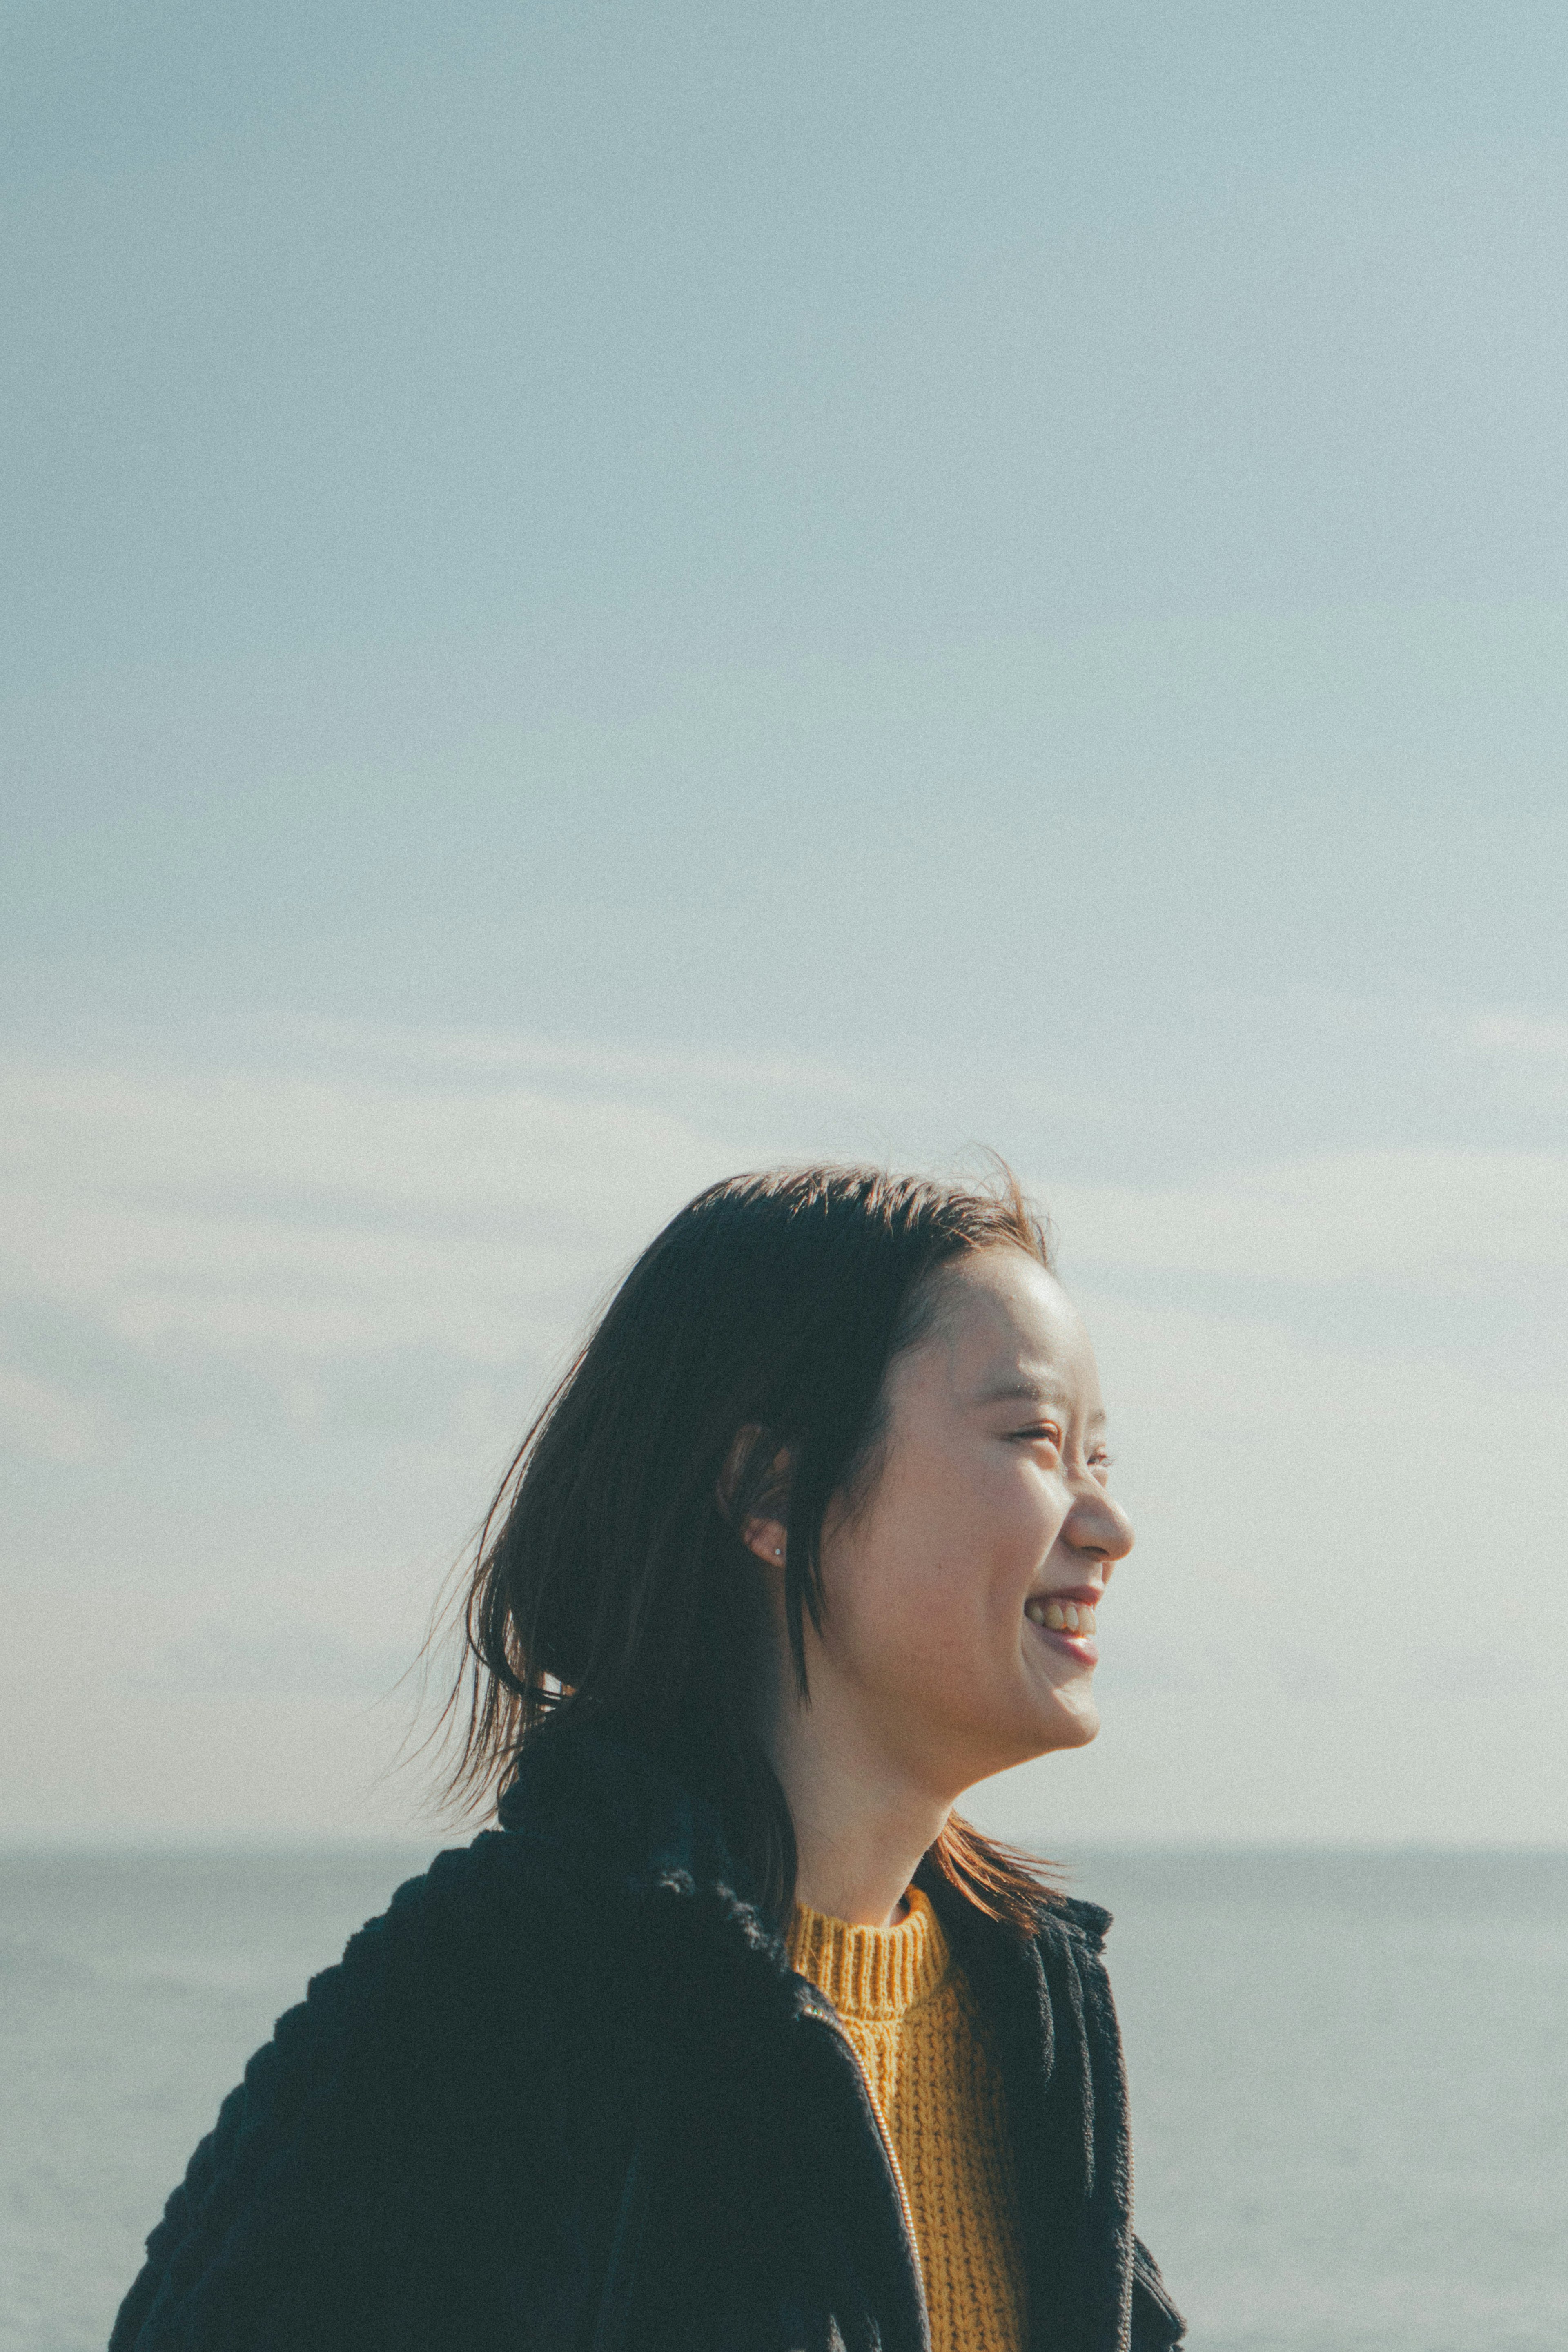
1031, 1388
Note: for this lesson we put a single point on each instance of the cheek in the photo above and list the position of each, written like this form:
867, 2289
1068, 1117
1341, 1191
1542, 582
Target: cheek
994, 1522
950, 1560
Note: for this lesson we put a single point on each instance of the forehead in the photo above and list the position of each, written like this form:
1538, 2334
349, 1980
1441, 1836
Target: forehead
1005, 1328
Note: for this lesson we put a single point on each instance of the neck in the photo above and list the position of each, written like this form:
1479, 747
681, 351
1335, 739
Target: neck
860, 1825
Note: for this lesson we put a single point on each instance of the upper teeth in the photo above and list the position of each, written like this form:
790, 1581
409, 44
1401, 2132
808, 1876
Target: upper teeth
1061, 1616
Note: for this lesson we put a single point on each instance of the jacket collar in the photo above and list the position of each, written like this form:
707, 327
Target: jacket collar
619, 1811
618, 1816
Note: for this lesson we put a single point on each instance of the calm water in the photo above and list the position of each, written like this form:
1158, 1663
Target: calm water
1350, 2078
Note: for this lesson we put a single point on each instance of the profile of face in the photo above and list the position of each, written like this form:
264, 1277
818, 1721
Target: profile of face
960, 1595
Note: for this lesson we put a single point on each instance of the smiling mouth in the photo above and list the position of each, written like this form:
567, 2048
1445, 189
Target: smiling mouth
1060, 1616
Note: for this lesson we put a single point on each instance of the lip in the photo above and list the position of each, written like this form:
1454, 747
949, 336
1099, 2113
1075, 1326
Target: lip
1080, 1646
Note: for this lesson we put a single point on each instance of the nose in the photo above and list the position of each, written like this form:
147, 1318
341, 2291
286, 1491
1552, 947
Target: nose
1097, 1527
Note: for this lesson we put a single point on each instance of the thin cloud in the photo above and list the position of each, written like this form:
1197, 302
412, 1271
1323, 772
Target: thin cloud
331, 1216
42, 1422
1519, 1036
1438, 1218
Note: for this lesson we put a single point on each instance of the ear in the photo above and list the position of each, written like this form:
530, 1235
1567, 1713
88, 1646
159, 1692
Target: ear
763, 1532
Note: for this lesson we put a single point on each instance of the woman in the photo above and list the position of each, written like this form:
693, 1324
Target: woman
732, 2034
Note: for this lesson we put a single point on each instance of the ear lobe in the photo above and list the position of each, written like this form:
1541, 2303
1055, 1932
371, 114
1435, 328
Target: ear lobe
763, 1539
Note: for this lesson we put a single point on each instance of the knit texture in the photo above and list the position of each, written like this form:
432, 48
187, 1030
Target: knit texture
912, 2021
568, 2092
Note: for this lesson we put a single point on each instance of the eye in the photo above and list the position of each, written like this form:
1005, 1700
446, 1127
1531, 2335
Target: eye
1100, 1461
1039, 1433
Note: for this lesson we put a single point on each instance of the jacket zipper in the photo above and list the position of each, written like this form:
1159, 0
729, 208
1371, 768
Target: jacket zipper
894, 2167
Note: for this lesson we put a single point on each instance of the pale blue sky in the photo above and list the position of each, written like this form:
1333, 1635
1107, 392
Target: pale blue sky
591, 594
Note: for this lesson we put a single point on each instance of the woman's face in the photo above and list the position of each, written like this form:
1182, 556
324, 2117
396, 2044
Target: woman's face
950, 1595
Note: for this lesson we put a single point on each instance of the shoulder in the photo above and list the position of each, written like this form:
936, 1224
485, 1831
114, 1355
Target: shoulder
480, 1948
461, 1965
376, 2113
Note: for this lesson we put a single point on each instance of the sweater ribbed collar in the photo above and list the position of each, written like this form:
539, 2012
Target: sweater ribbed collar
872, 1974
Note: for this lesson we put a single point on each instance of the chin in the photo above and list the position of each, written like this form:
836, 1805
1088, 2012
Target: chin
1045, 1732
1073, 1727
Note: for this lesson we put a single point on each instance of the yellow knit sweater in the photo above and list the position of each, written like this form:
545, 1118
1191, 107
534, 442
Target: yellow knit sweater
911, 2017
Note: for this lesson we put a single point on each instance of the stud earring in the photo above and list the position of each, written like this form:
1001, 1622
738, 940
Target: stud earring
778, 1551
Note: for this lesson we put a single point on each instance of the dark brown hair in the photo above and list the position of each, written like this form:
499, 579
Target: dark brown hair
610, 1577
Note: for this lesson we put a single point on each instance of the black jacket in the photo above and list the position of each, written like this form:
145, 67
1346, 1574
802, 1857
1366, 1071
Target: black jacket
567, 2093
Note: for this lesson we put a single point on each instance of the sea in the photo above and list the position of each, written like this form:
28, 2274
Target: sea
1349, 2076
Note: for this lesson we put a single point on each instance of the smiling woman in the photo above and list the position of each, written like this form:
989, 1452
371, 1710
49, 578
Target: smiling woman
733, 2033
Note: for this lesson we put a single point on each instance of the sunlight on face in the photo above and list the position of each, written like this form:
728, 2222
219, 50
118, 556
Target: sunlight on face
951, 1593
